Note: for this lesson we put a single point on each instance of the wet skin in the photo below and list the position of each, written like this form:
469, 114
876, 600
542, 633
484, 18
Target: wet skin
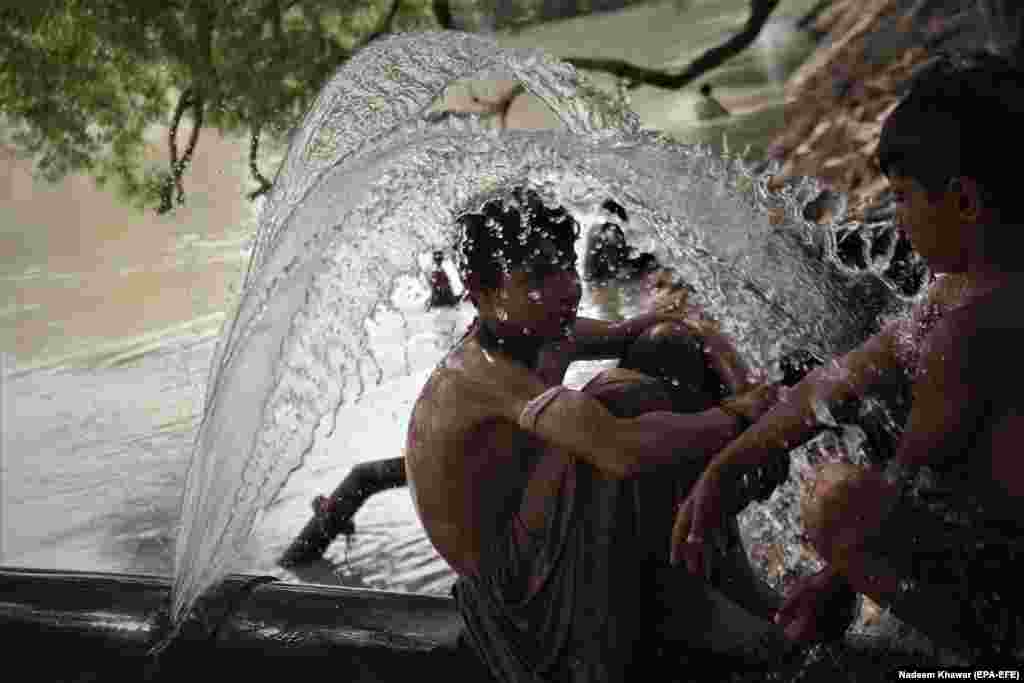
470, 464
965, 367
463, 488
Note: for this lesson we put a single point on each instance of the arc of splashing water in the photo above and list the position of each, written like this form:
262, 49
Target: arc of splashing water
390, 78
343, 221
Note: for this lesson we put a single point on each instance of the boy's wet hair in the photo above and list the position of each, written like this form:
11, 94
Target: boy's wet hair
614, 208
962, 117
511, 235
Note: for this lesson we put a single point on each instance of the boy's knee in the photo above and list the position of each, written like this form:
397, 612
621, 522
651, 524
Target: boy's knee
670, 352
669, 332
841, 506
628, 393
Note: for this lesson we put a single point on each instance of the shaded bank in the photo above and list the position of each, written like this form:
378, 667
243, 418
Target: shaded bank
871, 49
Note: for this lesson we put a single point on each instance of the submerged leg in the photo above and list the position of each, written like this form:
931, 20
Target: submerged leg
332, 515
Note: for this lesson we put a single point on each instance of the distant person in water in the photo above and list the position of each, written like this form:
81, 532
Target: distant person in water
608, 255
708, 107
441, 293
554, 506
937, 536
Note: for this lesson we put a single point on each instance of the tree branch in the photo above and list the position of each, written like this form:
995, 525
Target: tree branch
443, 13
195, 97
385, 26
187, 100
273, 10
198, 110
183, 103
254, 149
167, 189
760, 11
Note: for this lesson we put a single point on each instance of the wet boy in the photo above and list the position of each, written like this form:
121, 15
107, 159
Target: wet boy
554, 506
440, 288
934, 537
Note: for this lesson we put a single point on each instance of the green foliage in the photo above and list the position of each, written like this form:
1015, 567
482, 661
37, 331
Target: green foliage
86, 84
82, 82
72, 99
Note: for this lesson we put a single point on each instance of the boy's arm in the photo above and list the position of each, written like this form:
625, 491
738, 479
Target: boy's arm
581, 425
594, 339
599, 339
591, 340
797, 415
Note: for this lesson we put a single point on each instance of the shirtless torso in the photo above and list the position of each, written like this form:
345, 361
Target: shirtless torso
485, 461
976, 412
987, 338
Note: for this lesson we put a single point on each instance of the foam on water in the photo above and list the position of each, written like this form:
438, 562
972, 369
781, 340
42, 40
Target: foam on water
374, 178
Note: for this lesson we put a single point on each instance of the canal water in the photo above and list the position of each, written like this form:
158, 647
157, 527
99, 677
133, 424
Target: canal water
108, 321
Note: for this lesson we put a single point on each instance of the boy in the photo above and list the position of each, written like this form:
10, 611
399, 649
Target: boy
441, 294
934, 537
533, 493
608, 255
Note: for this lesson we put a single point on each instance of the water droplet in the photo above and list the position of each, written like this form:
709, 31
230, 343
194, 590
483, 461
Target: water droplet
765, 287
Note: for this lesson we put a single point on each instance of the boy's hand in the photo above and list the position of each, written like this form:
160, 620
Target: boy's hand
554, 360
690, 315
722, 354
753, 404
703, 510
819, 609
698, 516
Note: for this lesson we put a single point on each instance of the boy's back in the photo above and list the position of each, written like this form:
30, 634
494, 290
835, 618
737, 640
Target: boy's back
986, 338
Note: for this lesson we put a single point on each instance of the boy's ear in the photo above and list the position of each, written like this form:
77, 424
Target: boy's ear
474, 295
969, 198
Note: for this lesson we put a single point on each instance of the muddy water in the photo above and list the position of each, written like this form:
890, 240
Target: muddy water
94, 453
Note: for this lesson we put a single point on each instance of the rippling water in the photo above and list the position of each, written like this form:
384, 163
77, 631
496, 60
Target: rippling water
96, 462
111, 445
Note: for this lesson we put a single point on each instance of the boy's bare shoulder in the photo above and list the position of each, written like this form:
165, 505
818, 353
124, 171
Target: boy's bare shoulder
983, 337
449, 398
994, 313
464, 392
947, 291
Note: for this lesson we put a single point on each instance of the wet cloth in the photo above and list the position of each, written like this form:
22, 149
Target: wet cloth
590, 596
562, 603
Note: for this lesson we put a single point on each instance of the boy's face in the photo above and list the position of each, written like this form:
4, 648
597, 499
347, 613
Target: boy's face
940, 228
540, 303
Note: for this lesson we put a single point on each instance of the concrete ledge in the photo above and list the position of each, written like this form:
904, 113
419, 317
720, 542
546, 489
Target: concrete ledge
81, 626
